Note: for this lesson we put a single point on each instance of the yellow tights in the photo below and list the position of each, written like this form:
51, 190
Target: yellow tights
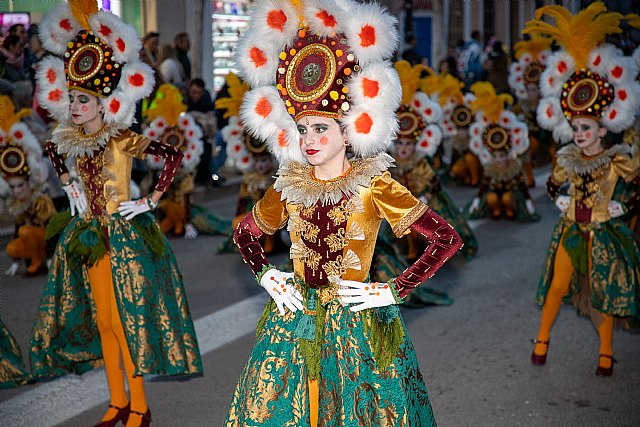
114, 344
562, 272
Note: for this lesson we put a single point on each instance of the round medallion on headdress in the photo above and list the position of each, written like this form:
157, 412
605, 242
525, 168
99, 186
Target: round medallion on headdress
311, 75
410, 123
13, 162
532, 73
586, 94
175, 138
254, 145
462, 116
90, 66
496, 138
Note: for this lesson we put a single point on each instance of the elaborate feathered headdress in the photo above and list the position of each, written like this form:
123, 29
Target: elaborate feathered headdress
320, 57
418, 115
495, 128
457, 116
587, 78
100, 57
20, 152
238, 150
171, 124
532, 58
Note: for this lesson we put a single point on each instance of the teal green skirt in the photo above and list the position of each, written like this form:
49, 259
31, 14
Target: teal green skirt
150, 295
12, 370
614, 278
354, 389
521, 212
207, 222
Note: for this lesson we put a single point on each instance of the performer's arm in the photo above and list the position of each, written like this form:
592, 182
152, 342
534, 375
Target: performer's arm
57, 160
444, 242
172, 158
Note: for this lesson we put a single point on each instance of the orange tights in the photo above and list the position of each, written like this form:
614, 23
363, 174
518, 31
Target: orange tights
173, 217
313, 402
114, 344
562, 273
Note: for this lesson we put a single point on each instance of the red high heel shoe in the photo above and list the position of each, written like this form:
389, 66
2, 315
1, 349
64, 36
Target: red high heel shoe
121, 415
539, 359
145, 418
605, 372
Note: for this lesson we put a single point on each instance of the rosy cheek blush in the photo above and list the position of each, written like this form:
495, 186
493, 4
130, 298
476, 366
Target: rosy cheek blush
588, 135
301, 142
84, 108
324, 140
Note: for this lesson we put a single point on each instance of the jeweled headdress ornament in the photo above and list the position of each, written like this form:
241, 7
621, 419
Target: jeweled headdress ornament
495, 128
320, 57
171, 124
418, 115
447, 90
532, 56
20, 152
100, 56
587, 78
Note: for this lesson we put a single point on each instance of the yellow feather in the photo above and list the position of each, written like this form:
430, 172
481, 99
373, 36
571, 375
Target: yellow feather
534, 46
633, 20
488, 102
445, 85
8, 116
578, 34
82, 11
232, 103
409, 79
167, 104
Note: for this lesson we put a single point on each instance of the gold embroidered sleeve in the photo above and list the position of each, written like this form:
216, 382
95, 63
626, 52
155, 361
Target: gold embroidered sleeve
133, 144
626, 167
559, 175
270, 213
395, 203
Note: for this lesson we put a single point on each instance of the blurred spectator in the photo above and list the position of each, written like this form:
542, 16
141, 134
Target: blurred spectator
470, 60
198, 97
20, 31
170, 67
410, 54
35, 45
12, 58
497, 67
149, 53
182, 45
449, 66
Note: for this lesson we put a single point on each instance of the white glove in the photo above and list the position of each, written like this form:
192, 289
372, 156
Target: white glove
13, 269
283, 293
368, 295
77, 199
615, 209
475, 204
190, 232
531, 208
133, 208
562, 202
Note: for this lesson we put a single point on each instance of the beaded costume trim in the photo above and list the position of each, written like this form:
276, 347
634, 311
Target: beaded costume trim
509, 172
297, 185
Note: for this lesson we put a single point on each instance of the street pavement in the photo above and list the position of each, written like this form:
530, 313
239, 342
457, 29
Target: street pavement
474, 355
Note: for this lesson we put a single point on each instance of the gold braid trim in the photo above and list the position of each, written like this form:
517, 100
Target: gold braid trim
413, 215
262, 225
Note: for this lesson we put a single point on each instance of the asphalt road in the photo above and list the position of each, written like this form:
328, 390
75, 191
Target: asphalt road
474, 354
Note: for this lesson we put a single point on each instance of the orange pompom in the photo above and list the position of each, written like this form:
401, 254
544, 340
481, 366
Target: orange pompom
136, 79
367, 36
105, 31
114, 106
121, 45
370, 88
327, 20
55, 95
51, 76
257, 56
263, 107
282, 138
363, 123
276, 19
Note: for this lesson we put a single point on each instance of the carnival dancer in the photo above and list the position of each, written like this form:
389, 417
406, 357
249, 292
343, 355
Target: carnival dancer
465, 166
124, 301
497, 137
593, 261
22, 177
334, 345
250, 156
524, 81
172, 125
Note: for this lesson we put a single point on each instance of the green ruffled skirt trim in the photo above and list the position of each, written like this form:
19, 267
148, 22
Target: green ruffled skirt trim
152, 302
614, 278
207, 223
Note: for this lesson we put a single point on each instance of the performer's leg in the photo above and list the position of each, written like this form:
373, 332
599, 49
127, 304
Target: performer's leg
562, 272
136, 383
509, 204
176, 212
33, 239
166, 224
474, 167
101, 290
493, 201
604, 325
459, 169
313, 402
